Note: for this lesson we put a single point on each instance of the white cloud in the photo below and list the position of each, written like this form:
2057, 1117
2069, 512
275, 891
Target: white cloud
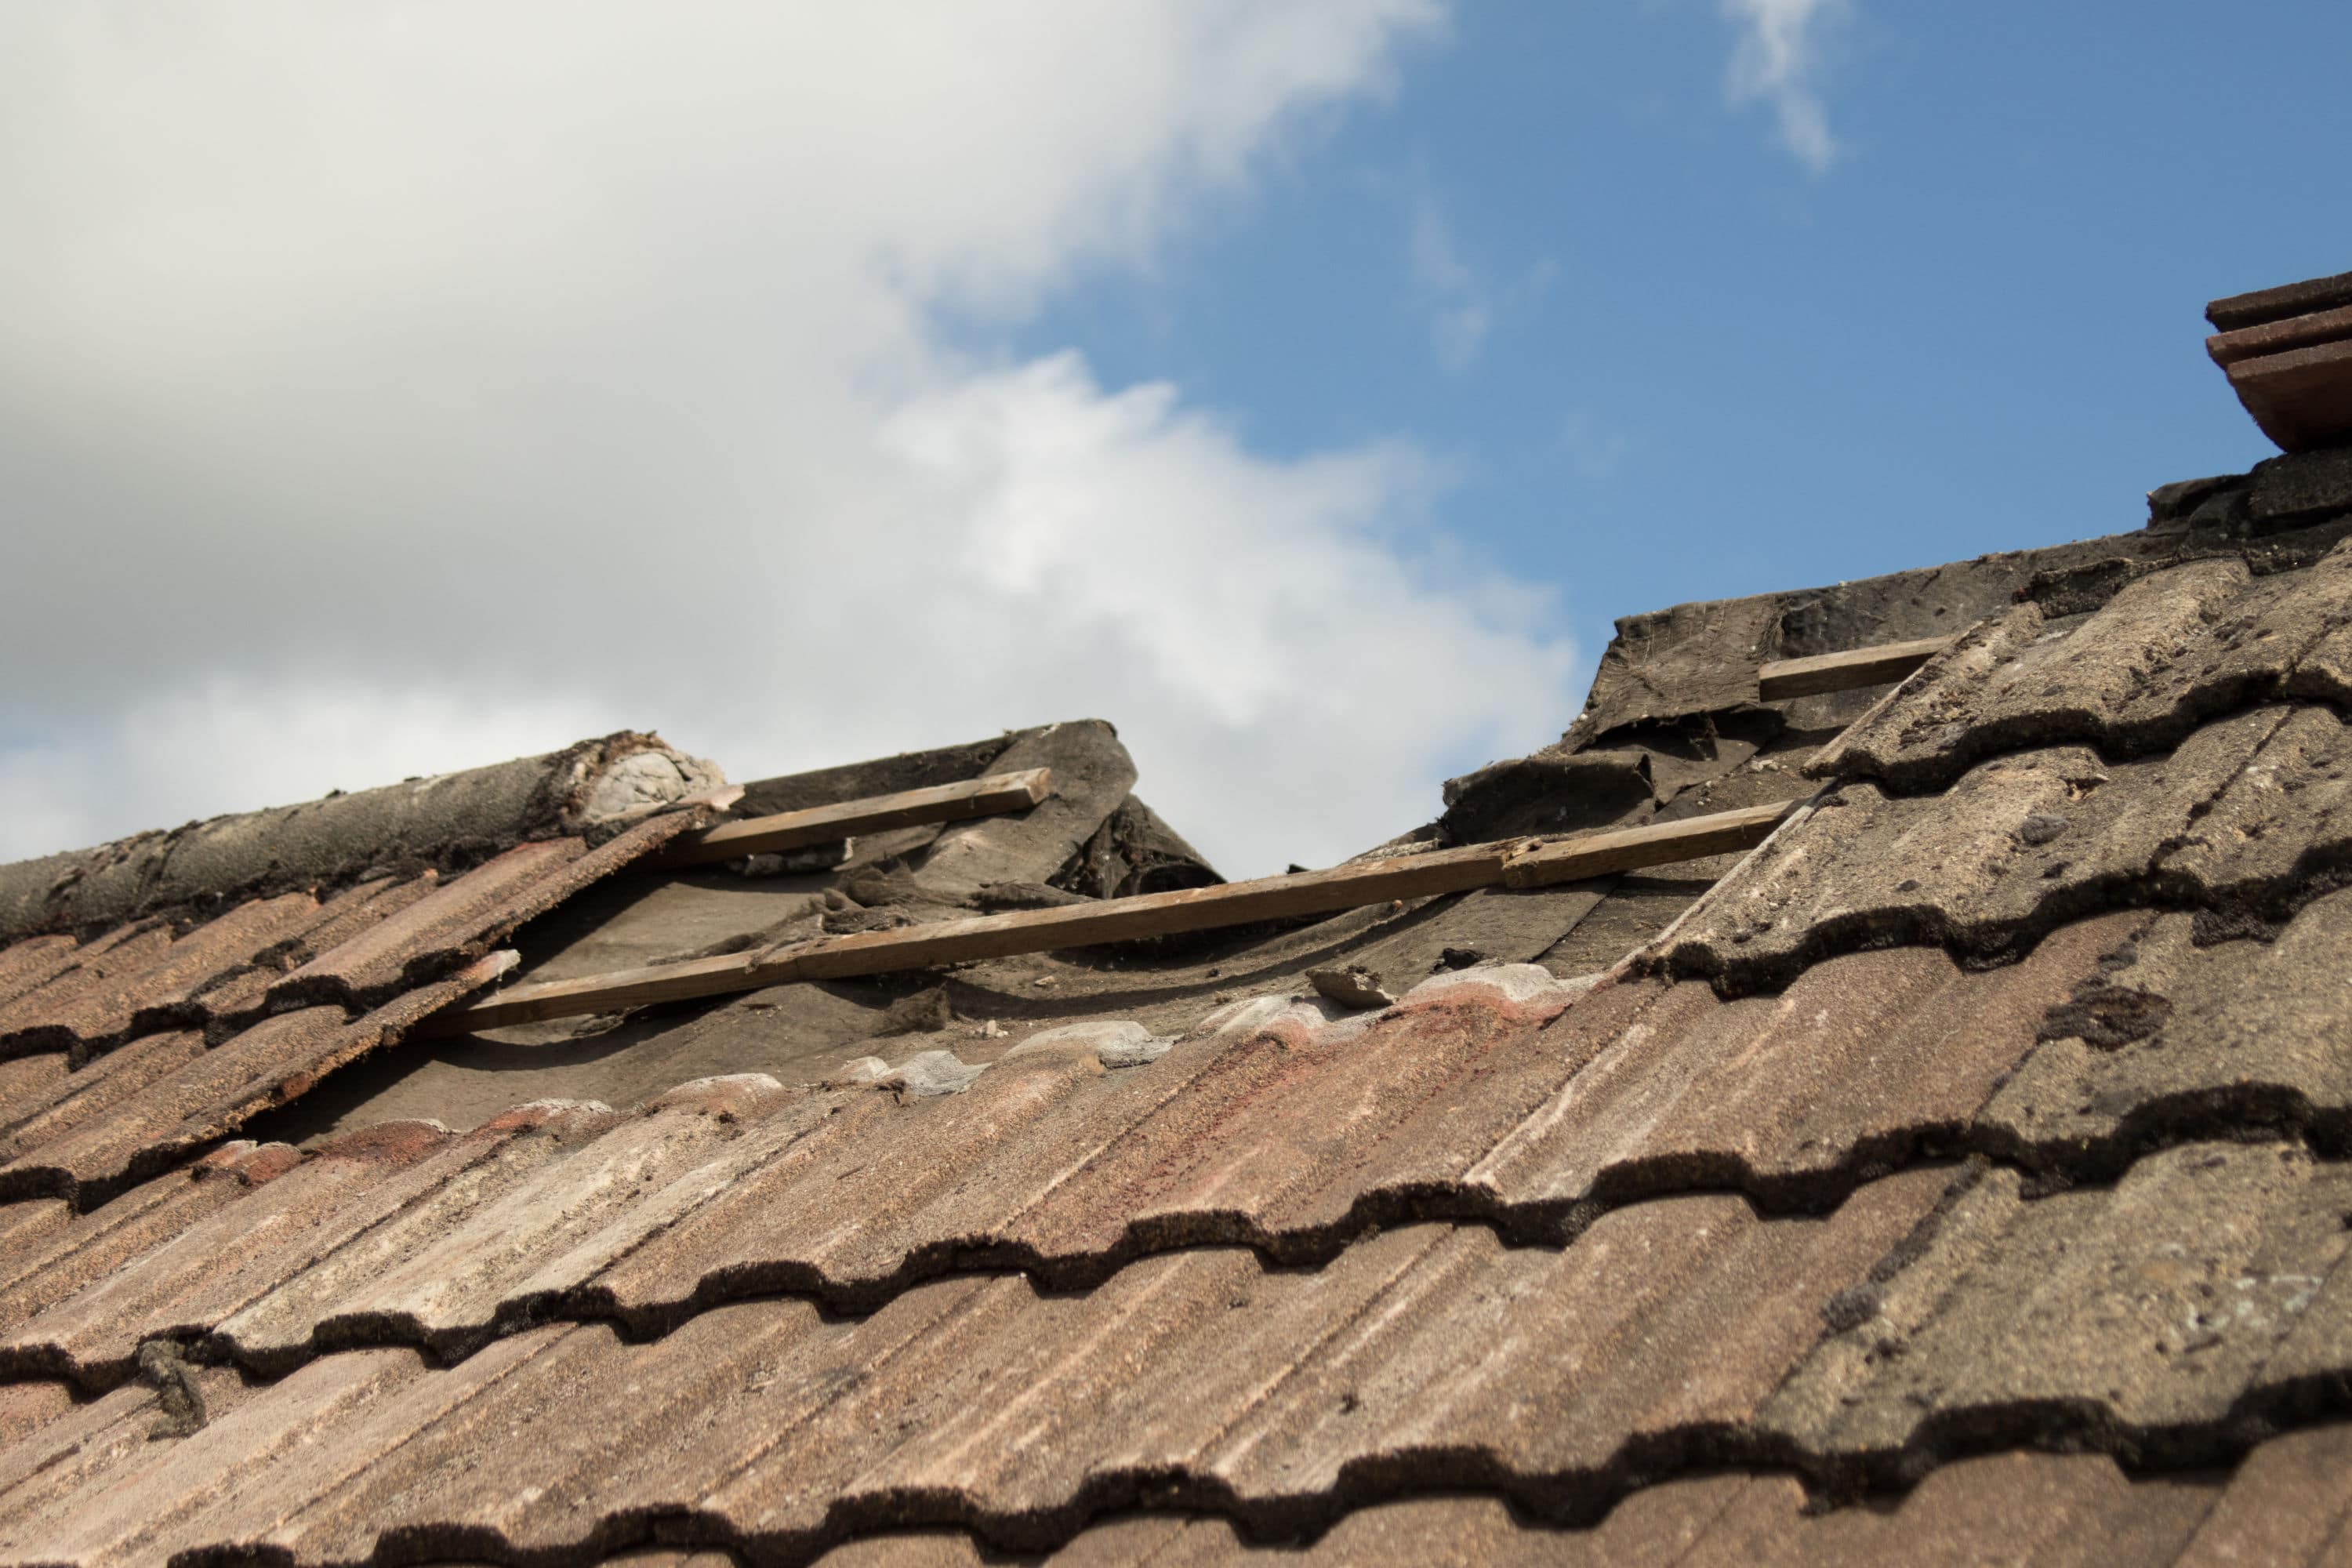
384, 388
1461, 314
1778, 62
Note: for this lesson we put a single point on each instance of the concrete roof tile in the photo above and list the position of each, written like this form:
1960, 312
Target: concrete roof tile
138, 1107
1013, 1402
201, 1269
34, 961
76, 1098
2288, 1502
170, 989
1294, 1132
2153, 1306
108, 960
376, 960
2245, 818
80, 1250
2059, 1510
2170, 651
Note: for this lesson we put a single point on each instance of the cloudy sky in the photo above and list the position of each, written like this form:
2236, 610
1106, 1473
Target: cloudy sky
1302, 386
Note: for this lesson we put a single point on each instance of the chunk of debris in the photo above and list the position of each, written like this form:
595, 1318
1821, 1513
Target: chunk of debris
924, 1012
928, 1073
180, 1402
848, 922
2041, 828
809, 859
1116, 1043
996, 897
1352, 986
889, 883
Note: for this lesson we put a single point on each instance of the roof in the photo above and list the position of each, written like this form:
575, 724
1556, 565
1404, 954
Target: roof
1961, 1176
160, 992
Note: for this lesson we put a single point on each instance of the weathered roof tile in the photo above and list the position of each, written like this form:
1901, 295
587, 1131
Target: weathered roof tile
2242, 819
2170, 651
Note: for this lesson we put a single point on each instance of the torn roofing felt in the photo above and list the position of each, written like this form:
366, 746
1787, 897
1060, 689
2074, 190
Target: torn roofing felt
1961, 1175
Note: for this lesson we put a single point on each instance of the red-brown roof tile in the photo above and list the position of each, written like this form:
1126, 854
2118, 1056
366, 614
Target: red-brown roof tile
135, 1108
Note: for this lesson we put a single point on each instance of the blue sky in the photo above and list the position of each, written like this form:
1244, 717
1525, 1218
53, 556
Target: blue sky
1713, 368
1302, 385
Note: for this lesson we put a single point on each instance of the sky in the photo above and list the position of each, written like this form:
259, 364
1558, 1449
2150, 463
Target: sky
1302, 386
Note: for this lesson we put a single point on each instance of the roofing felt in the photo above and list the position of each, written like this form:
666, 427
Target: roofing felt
1964, 1172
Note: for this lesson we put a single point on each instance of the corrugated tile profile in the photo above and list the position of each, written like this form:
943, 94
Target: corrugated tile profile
2044, 801
2283, 1508
1499, 1097
138, 1048
2173, 1317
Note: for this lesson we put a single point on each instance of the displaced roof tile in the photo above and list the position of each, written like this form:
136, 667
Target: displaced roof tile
380, 958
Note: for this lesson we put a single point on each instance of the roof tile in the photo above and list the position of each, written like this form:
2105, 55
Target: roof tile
379, 959
2242, 818
461, 919
73, 1099
111, 958
2075, 1510
2155, 1306
73, 1251
168, 989
2287, 1503
1429, 1355
151, 1263
2167, 1033
1279, 1129
2170, 651
28, 964
986, 1394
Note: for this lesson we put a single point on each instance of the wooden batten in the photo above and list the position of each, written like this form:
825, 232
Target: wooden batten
990, 796
1511, 862
1660, 844
1847, 671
